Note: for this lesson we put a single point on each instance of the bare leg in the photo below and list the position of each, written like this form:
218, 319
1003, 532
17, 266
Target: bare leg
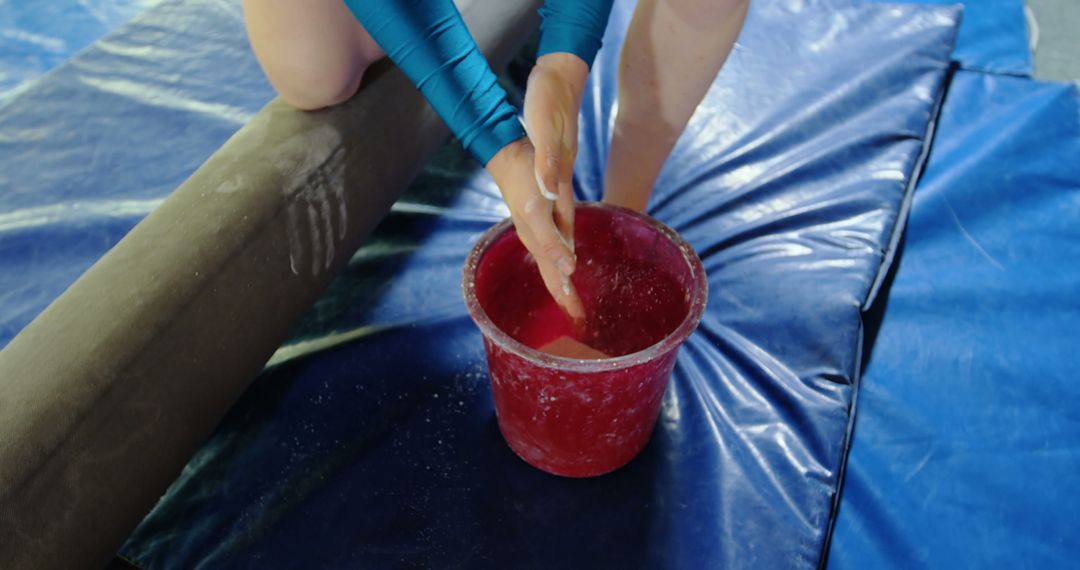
672, 53
313, 51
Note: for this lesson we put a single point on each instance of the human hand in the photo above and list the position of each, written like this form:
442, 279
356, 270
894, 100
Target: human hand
535, 220
552, 101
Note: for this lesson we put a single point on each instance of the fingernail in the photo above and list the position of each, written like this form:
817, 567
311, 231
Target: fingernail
543, 189
565, 267
568, 243
564, 241
566, 284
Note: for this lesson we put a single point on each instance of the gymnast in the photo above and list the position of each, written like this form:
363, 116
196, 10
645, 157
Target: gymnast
315, 52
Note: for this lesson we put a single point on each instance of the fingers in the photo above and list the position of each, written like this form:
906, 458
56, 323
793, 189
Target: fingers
552, 224
564, 215
543, 125
535, 219
550, 244
554, 253
552, 128
564, 206
552, 263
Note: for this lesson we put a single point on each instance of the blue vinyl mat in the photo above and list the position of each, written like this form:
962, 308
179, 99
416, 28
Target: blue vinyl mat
965, 452
36, 36
94, 146
993, 36
382, 452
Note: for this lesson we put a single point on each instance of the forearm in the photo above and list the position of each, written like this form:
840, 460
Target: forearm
672, 53
429, 42
571, 33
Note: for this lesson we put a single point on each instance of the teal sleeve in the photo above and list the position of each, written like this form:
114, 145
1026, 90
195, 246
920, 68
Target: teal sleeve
429, 42
573, 26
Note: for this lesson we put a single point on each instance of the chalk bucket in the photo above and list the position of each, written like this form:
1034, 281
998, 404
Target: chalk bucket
582, 401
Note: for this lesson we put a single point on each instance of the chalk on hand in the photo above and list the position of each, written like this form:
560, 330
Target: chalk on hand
569, 348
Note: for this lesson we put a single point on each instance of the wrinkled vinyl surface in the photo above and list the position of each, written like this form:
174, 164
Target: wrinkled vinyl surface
965, 452
36, 36
993, 35
90, 149
384, 450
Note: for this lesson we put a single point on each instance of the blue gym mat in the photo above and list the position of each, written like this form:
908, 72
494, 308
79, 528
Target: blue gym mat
37, 36
384, 450
979, 474
965, 452
993, 36
91, 148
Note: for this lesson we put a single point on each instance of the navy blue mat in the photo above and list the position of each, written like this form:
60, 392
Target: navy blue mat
966, 446
383, 451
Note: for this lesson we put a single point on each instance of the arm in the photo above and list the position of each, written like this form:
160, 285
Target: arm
672, 53
430, 43
570, 36
574, 27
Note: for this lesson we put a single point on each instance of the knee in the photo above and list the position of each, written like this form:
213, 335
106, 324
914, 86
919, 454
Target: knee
312, 51
309, 89
308, 74
326, 92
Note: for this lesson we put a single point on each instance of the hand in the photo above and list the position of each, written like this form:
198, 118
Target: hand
552, 101
534, 217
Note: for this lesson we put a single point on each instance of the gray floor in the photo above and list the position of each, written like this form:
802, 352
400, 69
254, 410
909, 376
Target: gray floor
1056, 33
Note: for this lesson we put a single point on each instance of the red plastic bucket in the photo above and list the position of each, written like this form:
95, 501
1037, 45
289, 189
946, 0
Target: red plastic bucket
587, 405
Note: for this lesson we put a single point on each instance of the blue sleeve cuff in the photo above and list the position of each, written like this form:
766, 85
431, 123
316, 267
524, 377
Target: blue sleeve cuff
429, 42
573, 26
491, 140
